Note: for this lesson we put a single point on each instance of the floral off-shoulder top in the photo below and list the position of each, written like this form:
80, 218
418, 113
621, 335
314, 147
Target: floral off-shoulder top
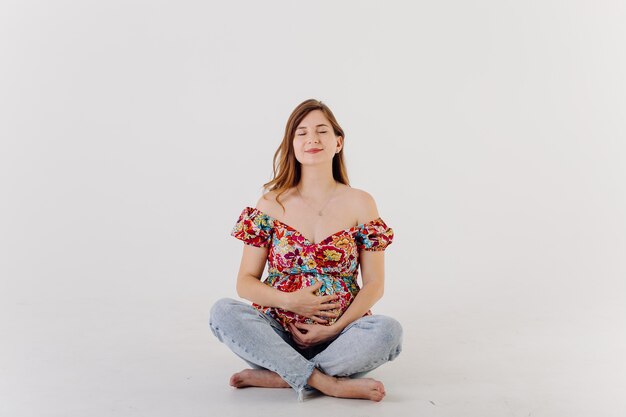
294, 262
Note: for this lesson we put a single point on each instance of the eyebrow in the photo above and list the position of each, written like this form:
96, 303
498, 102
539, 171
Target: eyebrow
304, 127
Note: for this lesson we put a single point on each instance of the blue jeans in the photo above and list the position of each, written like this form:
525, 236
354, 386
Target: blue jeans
263, 343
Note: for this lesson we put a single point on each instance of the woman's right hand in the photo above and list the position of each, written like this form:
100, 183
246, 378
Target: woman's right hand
305, 303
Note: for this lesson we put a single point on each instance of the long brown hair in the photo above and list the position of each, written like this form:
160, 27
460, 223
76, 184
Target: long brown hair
287, 169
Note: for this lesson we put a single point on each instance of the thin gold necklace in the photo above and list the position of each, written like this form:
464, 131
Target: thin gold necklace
320, 211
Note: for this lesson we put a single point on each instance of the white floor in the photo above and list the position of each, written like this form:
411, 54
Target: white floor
97, 357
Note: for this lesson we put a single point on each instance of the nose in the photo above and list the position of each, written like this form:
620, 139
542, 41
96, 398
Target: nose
314, 137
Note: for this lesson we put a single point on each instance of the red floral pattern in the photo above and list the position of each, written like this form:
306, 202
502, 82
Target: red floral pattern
294, 262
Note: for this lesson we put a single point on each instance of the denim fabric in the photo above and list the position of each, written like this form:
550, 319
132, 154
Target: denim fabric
263, 343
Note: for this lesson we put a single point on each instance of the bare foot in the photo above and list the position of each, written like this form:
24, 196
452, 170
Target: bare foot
258, 378
365, 388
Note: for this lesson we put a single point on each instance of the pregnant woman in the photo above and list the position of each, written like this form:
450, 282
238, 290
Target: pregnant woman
310, 326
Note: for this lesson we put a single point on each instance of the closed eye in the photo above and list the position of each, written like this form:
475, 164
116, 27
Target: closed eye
303, 134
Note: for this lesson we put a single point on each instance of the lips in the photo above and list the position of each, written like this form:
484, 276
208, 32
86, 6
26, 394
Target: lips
313, 150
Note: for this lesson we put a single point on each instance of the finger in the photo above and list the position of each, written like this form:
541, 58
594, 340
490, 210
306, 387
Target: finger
328, 306
294, 330
319, 320
304, 327
329, 298
331, 314
297, 337
315, 286
301, 339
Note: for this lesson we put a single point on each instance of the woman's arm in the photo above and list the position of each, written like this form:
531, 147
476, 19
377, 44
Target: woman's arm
249, 285
372, 270
303, 302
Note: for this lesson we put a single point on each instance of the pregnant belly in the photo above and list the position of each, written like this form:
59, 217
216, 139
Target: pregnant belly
345, 287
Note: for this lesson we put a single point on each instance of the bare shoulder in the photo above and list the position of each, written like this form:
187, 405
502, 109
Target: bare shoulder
268, 204
364, 205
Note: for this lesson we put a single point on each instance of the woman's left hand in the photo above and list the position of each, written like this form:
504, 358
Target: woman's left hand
307, 335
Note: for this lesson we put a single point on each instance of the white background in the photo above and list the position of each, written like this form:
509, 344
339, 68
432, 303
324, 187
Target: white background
491, 134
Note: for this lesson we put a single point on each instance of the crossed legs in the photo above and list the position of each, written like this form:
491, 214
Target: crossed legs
262, 342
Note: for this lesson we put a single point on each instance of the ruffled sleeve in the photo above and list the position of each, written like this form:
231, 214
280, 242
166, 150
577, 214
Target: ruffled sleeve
374, 235
253, 227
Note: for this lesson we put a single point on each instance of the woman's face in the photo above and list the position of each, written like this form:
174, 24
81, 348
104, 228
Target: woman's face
315, 140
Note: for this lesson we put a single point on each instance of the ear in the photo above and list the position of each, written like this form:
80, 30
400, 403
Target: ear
339, 144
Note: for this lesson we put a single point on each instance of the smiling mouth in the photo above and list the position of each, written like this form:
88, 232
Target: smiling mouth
314, 150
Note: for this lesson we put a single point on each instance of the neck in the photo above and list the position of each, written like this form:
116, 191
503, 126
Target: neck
316, 181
